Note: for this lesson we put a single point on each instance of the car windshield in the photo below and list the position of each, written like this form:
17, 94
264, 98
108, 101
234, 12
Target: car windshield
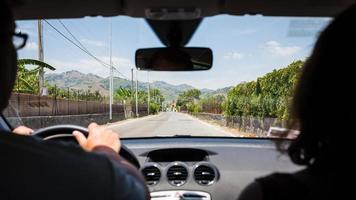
64, 74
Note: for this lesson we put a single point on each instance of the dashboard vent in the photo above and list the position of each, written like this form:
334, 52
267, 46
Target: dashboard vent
152, 174
204, 175
177, 175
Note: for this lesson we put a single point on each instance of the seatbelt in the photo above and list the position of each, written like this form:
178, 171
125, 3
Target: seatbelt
4, 125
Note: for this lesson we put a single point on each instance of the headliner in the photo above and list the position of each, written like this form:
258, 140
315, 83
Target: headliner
46, 9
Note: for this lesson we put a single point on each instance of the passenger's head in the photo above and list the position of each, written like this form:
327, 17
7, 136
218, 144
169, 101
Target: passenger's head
8, 56
324, 102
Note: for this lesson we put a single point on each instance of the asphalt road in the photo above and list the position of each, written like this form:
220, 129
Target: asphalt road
166, 124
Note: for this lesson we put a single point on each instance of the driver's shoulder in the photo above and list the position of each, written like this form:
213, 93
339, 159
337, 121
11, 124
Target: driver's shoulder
29, 147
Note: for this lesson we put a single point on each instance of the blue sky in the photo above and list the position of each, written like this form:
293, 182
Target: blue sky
244, 47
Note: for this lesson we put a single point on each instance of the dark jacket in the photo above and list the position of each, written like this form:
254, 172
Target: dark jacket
33, 169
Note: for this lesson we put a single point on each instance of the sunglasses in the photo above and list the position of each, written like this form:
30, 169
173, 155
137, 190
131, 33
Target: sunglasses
19, 40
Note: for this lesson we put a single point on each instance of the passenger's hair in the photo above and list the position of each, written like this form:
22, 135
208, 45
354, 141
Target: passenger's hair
7, 57
324, 100
5, 13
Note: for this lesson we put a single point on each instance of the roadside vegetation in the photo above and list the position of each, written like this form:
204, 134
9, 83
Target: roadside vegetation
267, 97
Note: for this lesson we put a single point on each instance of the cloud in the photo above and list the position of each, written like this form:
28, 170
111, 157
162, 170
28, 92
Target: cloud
93, 42
31, 46
277, 49
233, 56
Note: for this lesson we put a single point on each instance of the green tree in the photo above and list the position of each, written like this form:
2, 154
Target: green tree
269, 96
156, 96
188, 98
212, 104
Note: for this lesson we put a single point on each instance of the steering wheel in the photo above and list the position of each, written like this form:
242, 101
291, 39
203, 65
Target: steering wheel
64, 133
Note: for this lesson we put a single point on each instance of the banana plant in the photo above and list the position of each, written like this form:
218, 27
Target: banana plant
27, 79
123, 94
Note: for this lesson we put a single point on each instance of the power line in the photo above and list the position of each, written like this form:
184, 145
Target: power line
119, 72
54, 36
86, 50
81, 46
102, 62
67, 29
82, 25
70, 33
71, 41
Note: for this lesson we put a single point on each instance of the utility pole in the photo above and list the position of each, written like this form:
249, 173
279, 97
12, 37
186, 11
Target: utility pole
111, 91
136, 95
111, 76
40, 56
148, 93
132, 81
132, 90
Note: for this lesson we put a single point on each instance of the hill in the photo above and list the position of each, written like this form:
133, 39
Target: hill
80, 81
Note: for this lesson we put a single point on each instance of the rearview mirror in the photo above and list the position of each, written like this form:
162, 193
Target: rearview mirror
174, 59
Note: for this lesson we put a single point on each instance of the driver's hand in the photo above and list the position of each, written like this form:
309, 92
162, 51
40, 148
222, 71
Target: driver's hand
98, 136
22, 130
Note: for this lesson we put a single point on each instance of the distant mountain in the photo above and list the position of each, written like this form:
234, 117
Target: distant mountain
224, 90
220, 91
169, 91
206, 91
77, 80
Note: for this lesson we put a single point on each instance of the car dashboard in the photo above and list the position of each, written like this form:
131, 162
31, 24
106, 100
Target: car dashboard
205, 168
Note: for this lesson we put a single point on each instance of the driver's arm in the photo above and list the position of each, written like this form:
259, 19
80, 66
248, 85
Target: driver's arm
106, 142
121, 164
114, 157
127, 177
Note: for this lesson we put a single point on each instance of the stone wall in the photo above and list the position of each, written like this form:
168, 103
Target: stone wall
258, 126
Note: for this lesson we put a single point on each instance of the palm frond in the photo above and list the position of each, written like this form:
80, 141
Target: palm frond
35, 62
26, 84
